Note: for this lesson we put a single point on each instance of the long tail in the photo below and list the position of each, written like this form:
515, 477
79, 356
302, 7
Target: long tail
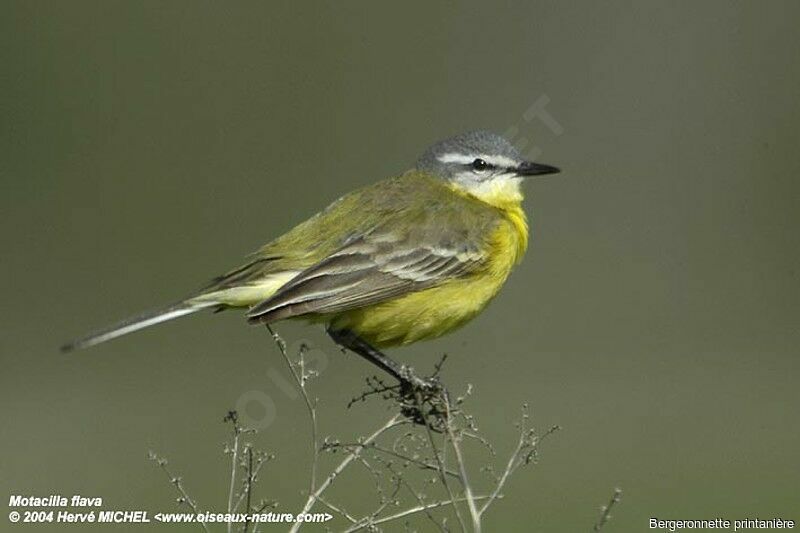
136, 323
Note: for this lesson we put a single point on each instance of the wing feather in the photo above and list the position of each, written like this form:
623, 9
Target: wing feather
371, 269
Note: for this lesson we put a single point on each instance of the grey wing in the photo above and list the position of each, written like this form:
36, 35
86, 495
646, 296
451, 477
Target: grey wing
371, 269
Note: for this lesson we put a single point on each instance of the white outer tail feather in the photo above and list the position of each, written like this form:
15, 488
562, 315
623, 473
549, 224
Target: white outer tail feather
136, 323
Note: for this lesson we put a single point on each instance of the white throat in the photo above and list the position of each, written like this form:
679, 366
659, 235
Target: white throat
504, 188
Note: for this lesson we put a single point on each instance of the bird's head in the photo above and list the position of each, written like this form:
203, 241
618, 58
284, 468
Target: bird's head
483, 164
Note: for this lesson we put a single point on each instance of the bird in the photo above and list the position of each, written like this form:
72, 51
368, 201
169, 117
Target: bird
402, 260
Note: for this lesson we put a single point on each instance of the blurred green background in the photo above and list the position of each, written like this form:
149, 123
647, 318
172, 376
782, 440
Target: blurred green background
148, 146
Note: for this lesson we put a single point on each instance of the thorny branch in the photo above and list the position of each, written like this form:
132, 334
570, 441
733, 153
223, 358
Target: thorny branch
439, 430
441, 417
433, 410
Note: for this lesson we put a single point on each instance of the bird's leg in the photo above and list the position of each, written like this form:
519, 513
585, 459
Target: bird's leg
404, 374
424, 401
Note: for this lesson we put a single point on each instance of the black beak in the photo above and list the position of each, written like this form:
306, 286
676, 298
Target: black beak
529, 168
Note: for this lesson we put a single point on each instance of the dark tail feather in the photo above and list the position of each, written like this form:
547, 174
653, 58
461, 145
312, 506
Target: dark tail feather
135, 324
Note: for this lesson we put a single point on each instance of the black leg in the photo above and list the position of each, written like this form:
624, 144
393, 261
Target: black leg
405, 375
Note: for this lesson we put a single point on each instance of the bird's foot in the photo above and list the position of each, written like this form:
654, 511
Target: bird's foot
423, 400
410, 382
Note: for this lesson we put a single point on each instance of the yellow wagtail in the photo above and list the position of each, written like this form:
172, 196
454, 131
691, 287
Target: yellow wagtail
408, 258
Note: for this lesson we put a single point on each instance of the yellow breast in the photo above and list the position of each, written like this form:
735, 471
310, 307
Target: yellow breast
433, 312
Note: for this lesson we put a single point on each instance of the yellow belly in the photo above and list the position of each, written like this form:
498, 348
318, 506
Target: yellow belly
421, 315
433, 312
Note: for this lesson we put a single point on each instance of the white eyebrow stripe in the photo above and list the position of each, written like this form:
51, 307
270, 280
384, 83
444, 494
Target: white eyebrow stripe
466, 159
457, 158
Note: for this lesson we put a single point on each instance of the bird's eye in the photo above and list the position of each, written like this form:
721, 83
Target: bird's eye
480, 164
